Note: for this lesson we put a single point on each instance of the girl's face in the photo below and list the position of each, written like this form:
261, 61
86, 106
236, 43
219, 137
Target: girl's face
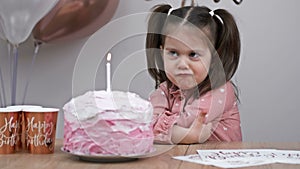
186, 56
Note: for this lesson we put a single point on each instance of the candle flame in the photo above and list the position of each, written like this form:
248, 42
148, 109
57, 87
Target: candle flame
108, 58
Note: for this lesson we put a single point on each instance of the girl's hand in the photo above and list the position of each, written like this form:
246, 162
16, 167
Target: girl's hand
196, 127
197, 133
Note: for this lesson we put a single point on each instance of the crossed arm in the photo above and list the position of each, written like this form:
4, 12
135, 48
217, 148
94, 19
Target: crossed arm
197, 133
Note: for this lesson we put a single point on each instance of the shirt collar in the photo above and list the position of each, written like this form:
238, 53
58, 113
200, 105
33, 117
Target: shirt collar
176, 92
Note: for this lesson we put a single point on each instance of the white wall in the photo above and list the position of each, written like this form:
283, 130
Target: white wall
266, 77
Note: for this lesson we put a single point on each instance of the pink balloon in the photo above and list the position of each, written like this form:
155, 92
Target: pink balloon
72, 19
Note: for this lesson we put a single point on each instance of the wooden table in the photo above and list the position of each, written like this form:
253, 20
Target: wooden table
161, 159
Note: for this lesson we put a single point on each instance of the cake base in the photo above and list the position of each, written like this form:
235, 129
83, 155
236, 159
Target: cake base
107, 158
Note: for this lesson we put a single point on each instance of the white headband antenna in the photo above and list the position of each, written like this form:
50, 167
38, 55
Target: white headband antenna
193, 3
212, 14
170, 11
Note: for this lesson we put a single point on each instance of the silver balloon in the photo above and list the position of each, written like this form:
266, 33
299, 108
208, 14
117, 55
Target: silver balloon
18, 17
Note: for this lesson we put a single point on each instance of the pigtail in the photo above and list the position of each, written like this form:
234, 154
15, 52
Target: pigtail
228, 43
154, 41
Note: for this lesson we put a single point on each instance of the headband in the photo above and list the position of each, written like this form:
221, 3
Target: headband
212, 14
170, 10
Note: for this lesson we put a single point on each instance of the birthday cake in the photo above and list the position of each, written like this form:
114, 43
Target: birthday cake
108, 123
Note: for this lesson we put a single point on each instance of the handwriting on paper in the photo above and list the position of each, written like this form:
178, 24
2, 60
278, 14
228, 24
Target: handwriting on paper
235, 154
281, 156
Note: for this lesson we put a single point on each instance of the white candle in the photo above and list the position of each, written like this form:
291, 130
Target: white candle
108, 58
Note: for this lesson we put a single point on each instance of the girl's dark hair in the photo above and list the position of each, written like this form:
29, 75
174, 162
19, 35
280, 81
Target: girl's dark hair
219, 27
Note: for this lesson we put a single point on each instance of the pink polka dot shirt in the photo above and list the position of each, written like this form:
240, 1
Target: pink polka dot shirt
171, 107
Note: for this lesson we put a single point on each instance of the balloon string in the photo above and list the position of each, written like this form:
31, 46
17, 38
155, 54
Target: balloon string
11, 59
2, 95
14, 77
36, 50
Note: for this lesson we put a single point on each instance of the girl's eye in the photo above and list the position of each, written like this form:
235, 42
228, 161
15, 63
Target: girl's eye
172, 53
194, 55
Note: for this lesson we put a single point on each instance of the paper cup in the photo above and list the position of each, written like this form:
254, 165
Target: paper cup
40, 129
21, 131
9, 126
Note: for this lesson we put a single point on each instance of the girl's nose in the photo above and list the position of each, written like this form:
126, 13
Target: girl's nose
183, 63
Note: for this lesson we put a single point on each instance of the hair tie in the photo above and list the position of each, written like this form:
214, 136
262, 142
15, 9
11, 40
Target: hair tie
212, 14
170, 10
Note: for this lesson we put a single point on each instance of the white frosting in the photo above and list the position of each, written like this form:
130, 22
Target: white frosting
111, 105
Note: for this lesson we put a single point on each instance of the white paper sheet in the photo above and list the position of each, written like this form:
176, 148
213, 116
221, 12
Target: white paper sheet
235, 158
195, 158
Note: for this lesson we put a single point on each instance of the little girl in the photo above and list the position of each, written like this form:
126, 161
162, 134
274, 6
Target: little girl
192, 53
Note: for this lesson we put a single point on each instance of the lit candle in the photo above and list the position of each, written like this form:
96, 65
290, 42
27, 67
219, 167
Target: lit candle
108, 58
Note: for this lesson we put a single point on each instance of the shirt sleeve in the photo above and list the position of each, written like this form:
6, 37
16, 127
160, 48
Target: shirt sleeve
163, 119
224, 115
